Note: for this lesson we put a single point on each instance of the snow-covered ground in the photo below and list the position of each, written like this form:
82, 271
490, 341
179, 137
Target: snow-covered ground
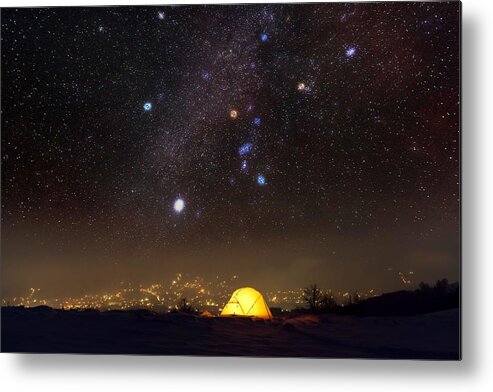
428, 336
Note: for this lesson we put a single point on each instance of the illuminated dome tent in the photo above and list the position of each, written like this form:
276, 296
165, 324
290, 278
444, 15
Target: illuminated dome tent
247, 302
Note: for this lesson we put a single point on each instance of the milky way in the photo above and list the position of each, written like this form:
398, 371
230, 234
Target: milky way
331, 128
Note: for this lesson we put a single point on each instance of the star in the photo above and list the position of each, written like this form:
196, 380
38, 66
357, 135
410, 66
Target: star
261, 180
147, 106
233, 114
160, 15
301, 86
350, 52
264, 37
245, 148
179, 205
257, 121
244, 165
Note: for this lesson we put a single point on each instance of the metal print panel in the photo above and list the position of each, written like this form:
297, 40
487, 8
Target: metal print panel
232, 180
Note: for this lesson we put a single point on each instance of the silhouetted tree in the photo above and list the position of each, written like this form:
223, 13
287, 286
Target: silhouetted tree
312, 295
356, 297
184, 307
327, 302
442, 286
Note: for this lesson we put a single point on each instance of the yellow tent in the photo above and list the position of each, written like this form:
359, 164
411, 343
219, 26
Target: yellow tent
247, 302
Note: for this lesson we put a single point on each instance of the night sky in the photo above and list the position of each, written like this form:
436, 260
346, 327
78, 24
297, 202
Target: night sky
288, 144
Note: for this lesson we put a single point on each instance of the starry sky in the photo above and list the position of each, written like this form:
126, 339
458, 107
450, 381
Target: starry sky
288, 144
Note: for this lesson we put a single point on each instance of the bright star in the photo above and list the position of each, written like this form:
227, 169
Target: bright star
351, 52
257, 121
179, 205
205, 75
264, 37
244, 165
160, 15
245, 148
233, 114
261, 180
147, 106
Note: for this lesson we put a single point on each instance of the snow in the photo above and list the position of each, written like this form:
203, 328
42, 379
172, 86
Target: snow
428, 336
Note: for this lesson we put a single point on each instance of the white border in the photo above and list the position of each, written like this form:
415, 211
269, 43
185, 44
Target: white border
132, 373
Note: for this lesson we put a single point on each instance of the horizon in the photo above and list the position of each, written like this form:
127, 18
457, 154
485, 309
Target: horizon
199, 292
